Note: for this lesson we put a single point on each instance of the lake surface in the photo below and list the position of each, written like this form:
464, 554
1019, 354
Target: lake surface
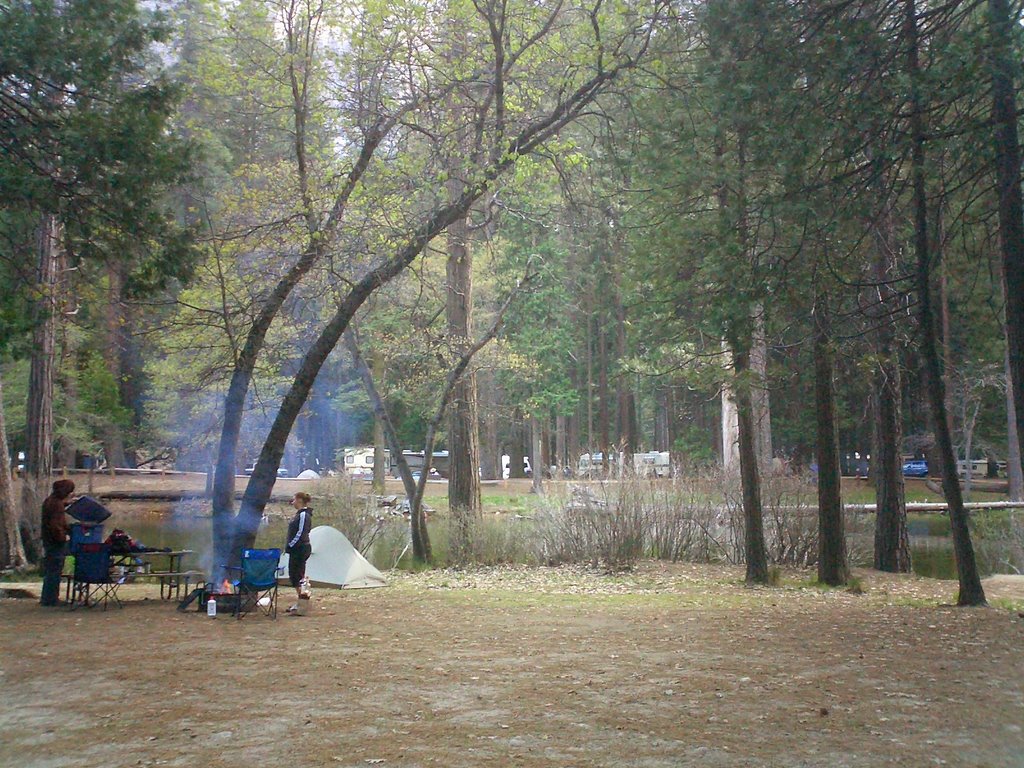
930, 542
183, 530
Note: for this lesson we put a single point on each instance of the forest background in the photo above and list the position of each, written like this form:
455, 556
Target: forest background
760, 236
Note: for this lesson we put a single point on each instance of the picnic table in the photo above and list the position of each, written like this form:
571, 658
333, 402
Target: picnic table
167, 566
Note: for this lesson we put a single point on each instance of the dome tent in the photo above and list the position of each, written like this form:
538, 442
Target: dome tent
336, 563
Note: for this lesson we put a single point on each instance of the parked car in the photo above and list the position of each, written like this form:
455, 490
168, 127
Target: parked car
281, 471
915, 468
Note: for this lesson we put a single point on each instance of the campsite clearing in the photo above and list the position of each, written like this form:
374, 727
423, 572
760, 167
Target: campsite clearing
666, 666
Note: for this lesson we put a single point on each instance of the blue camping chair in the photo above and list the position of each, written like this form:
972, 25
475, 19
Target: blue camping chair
93, 583
256, 586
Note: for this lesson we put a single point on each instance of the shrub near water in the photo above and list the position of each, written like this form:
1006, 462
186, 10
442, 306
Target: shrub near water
697, 518
609, 524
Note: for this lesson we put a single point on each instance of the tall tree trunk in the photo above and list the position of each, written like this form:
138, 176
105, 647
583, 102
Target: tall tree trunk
379, 440
39, 416
663, 419
12, 553
463, 448
1003, 60
604, 418
1014, 469
971, 591
113, 349
536, 457
517, 447
487, 404
832, 567
561, 459
625, 401
589, 353
66, 380
753, 533
730, 421
760, 394
892, 541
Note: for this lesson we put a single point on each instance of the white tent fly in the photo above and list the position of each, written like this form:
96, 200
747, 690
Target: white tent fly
336, 563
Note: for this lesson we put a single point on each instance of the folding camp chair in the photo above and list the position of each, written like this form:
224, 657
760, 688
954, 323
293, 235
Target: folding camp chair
93, 583
256, 587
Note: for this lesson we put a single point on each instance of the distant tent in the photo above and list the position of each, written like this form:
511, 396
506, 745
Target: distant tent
336, 563
308, 474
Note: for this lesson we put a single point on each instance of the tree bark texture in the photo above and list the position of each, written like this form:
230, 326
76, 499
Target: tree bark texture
971, 591
1014, 469
517, 447
750, 479
760, 394
832, 567
12, 553
1004, 63
39, 416
663, 404
730, 422
463, 448
892, 542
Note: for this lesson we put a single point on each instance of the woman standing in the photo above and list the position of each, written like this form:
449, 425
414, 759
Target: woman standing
298, 546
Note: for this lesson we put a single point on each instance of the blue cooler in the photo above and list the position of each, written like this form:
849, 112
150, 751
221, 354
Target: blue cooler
85, 533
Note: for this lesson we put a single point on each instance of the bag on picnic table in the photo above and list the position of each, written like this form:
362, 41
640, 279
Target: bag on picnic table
120, 542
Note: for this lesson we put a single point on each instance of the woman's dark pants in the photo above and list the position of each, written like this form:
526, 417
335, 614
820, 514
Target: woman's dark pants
53, 567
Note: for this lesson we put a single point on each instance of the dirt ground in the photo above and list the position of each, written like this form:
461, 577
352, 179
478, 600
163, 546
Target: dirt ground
666, 666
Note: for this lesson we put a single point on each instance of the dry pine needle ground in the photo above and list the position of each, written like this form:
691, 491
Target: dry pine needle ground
665, 666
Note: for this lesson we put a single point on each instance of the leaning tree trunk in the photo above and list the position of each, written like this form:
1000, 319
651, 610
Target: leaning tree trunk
39, 417
420, 539
264, 475
12, 553
971, 591
832, 568
1003, 63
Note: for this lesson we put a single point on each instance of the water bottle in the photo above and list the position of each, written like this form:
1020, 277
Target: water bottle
211, 607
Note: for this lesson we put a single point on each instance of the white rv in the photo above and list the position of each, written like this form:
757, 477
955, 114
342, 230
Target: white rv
652, 464
359, 461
